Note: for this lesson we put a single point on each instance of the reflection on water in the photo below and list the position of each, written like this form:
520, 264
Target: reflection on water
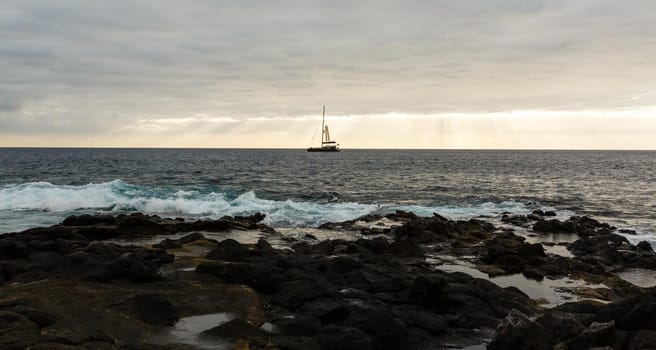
548, 290
639, 277
188, 331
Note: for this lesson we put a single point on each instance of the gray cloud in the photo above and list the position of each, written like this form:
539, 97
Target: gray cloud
76, 63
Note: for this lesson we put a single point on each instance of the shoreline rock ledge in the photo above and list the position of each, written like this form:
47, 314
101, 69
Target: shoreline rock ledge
93, 282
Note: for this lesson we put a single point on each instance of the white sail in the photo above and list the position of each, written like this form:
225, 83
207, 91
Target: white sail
326, 144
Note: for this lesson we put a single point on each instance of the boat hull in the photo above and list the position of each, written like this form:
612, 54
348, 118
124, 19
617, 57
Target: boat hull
322, 149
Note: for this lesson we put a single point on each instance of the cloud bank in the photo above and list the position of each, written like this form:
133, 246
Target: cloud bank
255, 73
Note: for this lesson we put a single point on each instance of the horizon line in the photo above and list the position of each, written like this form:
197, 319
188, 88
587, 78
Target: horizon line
343, 149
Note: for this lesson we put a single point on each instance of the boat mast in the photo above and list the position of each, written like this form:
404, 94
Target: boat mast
323, 117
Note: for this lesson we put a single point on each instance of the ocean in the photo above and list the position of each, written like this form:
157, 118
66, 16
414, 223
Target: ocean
294, 188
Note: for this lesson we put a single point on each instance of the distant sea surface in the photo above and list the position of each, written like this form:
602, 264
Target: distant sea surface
295, 188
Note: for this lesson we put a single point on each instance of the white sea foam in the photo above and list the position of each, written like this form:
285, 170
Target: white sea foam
120, 196
42, 203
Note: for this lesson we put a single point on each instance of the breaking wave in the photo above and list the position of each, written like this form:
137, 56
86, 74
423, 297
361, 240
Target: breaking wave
50, 203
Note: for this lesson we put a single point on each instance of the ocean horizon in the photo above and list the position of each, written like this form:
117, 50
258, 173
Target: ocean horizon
41, 186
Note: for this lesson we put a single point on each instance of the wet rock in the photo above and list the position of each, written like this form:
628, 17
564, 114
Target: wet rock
561, 325
517, 220
426, 290
432, 323
343, 338
596, 335
303, 325
263, 244
105, 262
229, 250
639, 313
77, 336
324, 248
220, 225
513, 255
302, 248
140, 224
326, 310
253, 219
401, 215
386, 332
553, 226
11, 269
262, 277
39, 317
378, 245
177, 243
153, 309
285, 342
371, 231
235, 329
343, 264
10, 250
517, 331
645, 246
406, 249
292, 294
596, 245
17, 332
613, 251
642, 340
89, 220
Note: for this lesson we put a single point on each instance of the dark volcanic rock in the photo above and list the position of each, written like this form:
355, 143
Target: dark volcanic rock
642, 340
10, 250
386, 332
553, 226
343, 338
374, 293
177, 243
261, 277
517, 331
40, 317
105, 262
406, 249
596, 335
517, 220
139, 224
326, 310
613, 251
378, 245
581, 225
513, 255
303, 325
229, 250
633, 314
292, 294
89, 220
561, 325
343, 264
17, 332
426, 290
285, 342
153, 309
235, 329
645, 246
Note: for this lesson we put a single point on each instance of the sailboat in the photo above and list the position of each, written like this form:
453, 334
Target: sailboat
326, 144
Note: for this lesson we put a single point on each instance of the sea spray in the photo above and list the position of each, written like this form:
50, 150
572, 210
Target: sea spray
46, 203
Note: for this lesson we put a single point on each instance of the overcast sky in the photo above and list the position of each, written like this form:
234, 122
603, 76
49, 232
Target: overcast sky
397, 74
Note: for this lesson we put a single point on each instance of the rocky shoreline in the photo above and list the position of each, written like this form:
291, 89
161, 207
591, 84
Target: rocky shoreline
145, 282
